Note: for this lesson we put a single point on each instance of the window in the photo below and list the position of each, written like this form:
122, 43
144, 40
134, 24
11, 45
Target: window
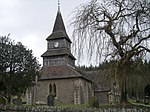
54, 86
50, 89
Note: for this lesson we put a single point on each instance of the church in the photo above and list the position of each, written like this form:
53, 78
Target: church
59, 75
63, 81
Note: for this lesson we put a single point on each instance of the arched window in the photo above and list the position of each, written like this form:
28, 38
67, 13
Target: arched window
54, 86
50, 88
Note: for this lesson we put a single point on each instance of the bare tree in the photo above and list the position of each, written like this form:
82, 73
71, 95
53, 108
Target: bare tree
115, 29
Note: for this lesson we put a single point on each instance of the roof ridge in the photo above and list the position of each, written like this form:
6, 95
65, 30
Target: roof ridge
79, 72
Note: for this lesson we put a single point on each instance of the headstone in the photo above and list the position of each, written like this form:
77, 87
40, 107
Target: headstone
18, 101
50, 100
2, 100
123, 110
129, 110
141, 110
146, 99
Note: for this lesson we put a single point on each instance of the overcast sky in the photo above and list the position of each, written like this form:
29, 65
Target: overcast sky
31, 21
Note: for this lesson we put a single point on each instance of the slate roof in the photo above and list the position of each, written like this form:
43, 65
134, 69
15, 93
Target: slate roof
59, 30
58, 52
61, 72
101, 82
64, 71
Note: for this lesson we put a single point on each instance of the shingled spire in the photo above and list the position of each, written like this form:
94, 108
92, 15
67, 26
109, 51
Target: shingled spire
59, 30
59, 24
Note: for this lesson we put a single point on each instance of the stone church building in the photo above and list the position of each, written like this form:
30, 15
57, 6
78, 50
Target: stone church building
59, 74
61, 79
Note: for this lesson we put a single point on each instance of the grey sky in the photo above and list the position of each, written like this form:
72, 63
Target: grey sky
31, 21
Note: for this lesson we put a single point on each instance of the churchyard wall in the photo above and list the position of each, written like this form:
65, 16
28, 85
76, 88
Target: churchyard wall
6, 108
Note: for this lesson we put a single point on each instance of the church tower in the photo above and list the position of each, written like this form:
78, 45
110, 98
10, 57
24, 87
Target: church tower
58, 46
59, 76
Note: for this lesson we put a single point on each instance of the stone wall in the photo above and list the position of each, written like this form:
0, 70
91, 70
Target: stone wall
6, 108
68, 91
102, 97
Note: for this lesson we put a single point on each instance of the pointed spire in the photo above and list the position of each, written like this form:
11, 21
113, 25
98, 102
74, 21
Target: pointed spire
59, 24
59, 30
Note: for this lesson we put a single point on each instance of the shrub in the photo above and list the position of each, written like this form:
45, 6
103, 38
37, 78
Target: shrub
94, 102
2, 100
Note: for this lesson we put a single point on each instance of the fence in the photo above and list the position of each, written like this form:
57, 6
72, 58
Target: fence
6, 108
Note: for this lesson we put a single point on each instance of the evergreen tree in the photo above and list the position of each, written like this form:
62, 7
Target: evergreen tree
18, 68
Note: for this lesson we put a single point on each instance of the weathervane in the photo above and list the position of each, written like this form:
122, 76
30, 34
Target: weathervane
58, 5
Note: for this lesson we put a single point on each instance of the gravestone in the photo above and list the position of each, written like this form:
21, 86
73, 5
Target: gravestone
50, 100
2, 100
18, 101
146, 100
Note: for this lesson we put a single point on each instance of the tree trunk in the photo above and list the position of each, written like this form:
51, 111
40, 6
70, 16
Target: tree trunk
9, 99
123, 90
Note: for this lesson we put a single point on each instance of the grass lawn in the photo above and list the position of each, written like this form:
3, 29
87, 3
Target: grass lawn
83, 106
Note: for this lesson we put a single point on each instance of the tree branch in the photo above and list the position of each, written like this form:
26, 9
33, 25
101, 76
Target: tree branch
141, 40
144, 48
